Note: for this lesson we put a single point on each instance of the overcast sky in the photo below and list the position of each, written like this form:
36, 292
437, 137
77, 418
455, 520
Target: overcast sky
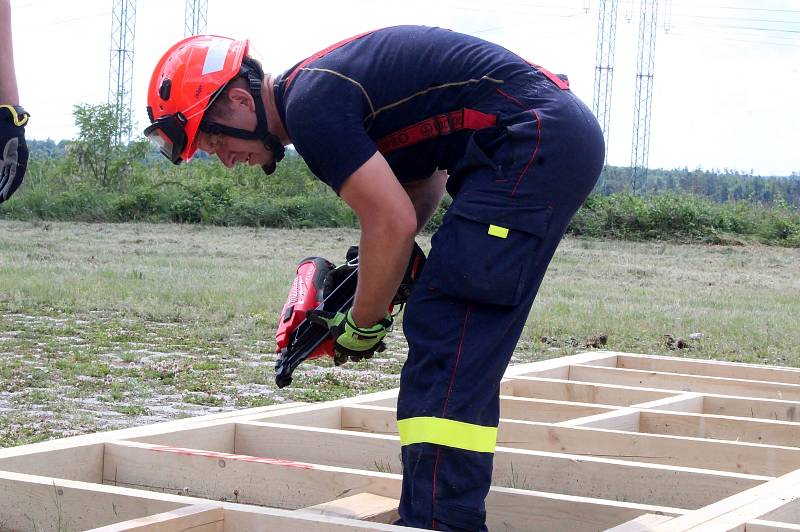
726, 77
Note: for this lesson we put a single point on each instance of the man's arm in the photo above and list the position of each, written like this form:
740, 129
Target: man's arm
8, 79
426, 195
388, 225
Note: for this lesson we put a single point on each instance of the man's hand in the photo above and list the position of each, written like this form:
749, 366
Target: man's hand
13, 149
351, 340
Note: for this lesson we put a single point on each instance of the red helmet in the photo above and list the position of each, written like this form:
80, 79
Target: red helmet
183, 86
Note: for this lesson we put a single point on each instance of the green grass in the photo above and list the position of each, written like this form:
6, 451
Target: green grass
87, 345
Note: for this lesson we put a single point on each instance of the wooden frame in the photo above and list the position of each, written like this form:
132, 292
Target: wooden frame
599, 440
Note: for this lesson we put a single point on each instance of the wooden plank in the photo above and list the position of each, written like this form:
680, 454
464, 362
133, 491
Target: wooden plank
685, 402
217, 437
29, 502
750, 407
738, 457
542, 367
783, 433
538, 511
689, 383
736, 511
709, 368
533, 470
144, 431
643, 523
42, 503
363, 507
240, 478
618, 395
250, 480
545, 410
600, 394
762, 525
197, 518
788, 513
82, 463
621, 419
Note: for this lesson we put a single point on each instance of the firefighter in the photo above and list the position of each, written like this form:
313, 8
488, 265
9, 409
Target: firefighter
13, 118
390, 119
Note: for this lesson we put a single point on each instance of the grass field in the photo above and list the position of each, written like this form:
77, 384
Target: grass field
106, 326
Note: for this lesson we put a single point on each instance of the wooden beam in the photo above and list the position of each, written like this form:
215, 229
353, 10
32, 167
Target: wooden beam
282, 484
762, 525
737, 457
685, 402
643, 523
769, 432
626, 419
197, 518
533, 470
75, 465
240, 478
751, 407
216, 437
363, 507
736, 511
689, 383
600, 394
42, 503
619, 395
29, 502
526, 510
709, 368
789, 513
545, 410
83, 463
543, 367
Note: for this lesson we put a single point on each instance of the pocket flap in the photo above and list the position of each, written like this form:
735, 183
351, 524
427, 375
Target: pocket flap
529, 218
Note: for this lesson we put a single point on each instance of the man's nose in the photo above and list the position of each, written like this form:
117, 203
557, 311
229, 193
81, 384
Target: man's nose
226, 157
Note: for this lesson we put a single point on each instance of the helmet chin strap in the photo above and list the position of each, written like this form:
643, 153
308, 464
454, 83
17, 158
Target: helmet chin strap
254, 76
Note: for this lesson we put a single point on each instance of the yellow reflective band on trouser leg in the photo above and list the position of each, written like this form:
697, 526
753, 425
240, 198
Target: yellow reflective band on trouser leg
447, 432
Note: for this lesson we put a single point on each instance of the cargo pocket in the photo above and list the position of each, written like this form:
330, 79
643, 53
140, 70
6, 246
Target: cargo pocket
486, 253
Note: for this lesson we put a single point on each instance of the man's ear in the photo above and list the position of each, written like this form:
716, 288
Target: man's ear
238, 96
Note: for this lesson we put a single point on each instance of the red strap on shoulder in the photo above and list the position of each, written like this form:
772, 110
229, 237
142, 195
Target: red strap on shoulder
322, 53
560, 83
435, 126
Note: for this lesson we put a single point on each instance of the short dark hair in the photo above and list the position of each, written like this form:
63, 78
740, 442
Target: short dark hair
219, 108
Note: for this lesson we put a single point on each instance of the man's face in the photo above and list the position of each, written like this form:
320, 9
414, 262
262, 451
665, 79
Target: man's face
232, 151
238, 112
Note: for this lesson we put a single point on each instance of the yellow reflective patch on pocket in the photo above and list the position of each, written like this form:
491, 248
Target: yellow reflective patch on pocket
499, 232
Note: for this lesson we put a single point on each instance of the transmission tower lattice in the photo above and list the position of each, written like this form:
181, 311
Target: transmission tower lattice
196, 17
604, 65
120, 72
644, 94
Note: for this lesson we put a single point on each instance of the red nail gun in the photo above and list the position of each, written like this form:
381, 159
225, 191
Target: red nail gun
320, 285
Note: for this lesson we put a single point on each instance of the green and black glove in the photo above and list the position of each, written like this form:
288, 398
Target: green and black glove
13, 149
351, 341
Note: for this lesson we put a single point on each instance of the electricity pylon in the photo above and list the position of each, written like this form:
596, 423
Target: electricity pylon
120, 72
604, 68
643, 101
196, 17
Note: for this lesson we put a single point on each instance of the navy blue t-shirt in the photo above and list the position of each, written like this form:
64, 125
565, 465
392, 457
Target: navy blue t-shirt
339, 102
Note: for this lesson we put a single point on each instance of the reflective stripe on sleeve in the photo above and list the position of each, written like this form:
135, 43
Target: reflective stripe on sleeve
447, 432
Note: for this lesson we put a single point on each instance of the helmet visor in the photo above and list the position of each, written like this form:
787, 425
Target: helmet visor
168, 135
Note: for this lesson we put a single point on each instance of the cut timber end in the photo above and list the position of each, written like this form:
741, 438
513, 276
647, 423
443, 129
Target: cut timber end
364, 507
594, 441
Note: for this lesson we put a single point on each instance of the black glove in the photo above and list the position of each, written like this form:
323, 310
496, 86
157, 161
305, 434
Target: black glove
13, 149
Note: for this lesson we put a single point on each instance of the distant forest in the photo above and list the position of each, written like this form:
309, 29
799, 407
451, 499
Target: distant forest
715, 184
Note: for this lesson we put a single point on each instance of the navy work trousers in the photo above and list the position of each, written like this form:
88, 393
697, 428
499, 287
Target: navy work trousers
515, 191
